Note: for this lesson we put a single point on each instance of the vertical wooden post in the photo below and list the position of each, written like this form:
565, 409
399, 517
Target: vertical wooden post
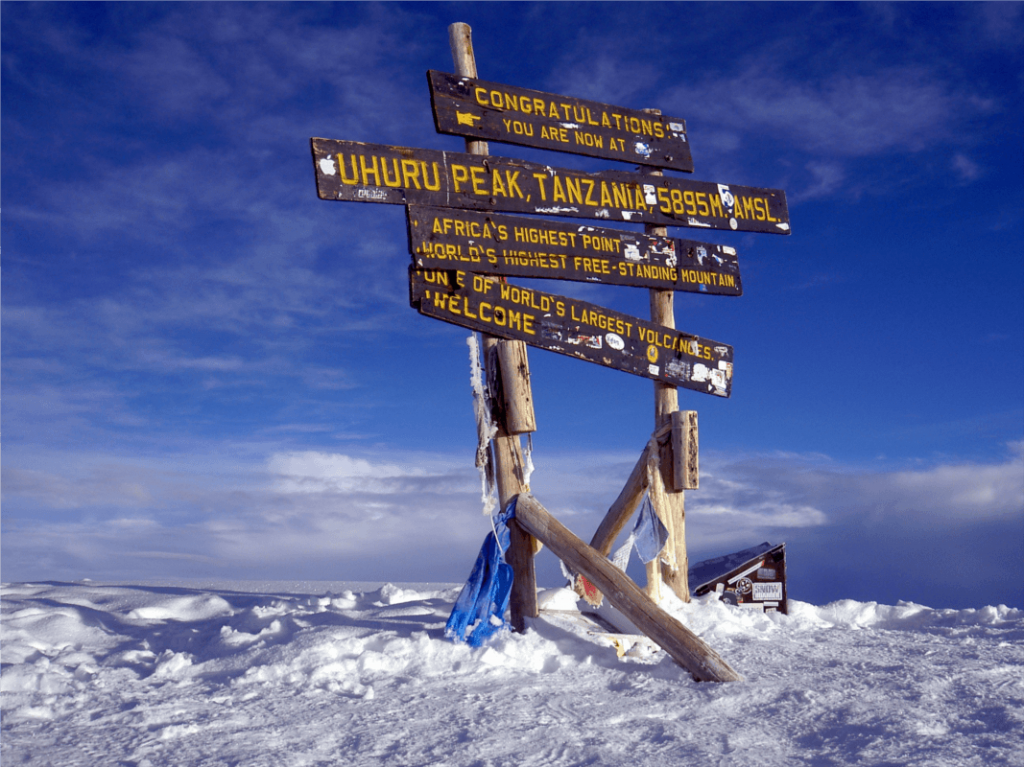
686, 463
666, 402
516, 414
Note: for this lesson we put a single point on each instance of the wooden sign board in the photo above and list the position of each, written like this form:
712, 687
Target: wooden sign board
491, 243
574, 328
487, 111
349, 170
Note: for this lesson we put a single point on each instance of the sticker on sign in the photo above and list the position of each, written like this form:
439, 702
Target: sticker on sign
764, 592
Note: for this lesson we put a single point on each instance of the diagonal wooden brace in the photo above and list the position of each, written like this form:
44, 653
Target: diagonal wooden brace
685, 647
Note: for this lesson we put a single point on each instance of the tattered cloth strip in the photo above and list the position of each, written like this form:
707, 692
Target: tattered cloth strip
528, 461
485, 427
649, 533
620, 557
479, 612
662, 507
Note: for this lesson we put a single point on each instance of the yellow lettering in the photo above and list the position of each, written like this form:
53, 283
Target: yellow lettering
572, 185
460, 175
716, 206
677, 202
437, 177
559, 194
620, 194
410, 173
374, 171
540, 183
513, 184
691, 202
342, 169
384, 170
665, 205
748, 207
477, 174
588, 200
496, 184
702, 204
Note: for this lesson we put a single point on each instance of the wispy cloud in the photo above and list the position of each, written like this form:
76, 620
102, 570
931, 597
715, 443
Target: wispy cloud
417, 516
827, 178
965, 168
840, 115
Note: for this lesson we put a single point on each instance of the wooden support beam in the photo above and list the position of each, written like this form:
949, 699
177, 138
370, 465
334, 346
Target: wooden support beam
668, 503
508, 457
685, 463
685, 647
622, 509
514, 370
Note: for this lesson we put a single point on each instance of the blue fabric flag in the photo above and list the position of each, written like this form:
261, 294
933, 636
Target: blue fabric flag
651, 534
479, 612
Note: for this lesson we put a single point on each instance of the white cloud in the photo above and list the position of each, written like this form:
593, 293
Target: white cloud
315, 472
408, 516
827, 178
965, 168
840, 115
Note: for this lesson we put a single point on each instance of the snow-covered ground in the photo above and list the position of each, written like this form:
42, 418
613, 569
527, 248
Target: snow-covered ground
332, 674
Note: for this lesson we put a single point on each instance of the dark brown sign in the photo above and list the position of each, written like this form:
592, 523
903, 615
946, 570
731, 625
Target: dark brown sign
495, 112
349, 170
574, 328
753, 577
491, 243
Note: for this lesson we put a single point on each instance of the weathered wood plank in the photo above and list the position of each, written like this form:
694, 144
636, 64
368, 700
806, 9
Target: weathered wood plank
508, 459
515, 388
622, 507
464, 106
686, 464
574, 328
685, 647
513, 246
357, 172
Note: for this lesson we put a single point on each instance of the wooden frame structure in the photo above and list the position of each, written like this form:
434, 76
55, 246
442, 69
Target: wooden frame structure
533, 524
459, 274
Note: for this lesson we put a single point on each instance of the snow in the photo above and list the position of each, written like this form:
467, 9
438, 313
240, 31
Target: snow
308, 673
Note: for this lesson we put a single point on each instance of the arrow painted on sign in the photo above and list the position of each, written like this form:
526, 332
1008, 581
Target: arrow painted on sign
465, 118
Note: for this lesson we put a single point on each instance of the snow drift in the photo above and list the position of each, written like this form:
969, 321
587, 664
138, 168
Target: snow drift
329, 674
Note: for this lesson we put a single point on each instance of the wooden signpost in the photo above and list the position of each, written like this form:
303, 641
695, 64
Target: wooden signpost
356, 172
464, 106
463, 249
574, 328
491, 243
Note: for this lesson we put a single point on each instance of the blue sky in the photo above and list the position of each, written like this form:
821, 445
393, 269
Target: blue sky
209, 372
